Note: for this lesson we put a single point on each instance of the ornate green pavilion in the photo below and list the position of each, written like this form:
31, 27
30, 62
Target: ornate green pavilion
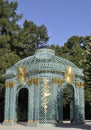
45, 76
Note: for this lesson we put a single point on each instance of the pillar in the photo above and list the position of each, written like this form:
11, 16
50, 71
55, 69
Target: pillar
81, 106
61, 106
7, 105
31, 105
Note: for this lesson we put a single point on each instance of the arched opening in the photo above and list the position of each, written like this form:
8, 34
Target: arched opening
68, 104
22, 106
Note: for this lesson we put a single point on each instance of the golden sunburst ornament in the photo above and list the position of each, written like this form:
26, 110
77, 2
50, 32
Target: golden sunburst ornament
69, 74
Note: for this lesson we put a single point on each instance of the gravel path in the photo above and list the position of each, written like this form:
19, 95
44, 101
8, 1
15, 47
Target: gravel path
86, 126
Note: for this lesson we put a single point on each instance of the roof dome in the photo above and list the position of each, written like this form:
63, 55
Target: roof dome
45, 60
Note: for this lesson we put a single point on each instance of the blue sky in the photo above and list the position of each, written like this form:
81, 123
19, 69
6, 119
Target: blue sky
63, 18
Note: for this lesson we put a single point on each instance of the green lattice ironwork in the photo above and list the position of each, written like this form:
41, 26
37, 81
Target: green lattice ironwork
43, 74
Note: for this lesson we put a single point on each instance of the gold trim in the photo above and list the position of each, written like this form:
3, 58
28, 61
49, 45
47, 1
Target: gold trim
32, 122
8, 121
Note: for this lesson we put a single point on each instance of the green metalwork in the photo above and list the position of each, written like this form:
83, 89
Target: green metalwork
45, 77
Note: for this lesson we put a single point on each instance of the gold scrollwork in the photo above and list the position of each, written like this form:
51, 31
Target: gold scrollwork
9, 84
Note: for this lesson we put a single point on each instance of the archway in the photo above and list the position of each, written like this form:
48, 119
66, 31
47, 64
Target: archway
68, 104
22, 105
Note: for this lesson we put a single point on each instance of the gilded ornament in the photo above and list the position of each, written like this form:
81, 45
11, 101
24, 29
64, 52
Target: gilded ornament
9, 84
21, 73
30, 81
45, 94
33, 81
57, 81
69, 74
80, 84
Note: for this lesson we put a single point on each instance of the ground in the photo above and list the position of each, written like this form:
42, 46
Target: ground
86, 126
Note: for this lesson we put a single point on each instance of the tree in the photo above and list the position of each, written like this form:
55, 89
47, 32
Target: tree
31, 36
87, 63
87, 74
8, 22
71, 50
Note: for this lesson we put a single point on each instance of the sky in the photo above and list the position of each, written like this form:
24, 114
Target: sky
63, 18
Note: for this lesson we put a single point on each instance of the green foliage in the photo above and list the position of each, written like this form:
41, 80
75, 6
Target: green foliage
72, 50
31, 36
87, 71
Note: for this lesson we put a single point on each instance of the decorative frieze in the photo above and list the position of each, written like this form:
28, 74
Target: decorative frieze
45, 71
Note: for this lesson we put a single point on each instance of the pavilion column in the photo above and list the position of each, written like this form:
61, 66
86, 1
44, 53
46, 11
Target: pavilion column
76, 105
61, 107
54, 102
81, 106
36, 100
72, 112
7, 105
31, 105
12, 119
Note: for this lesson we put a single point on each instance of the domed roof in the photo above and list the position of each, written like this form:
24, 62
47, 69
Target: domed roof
45, 59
